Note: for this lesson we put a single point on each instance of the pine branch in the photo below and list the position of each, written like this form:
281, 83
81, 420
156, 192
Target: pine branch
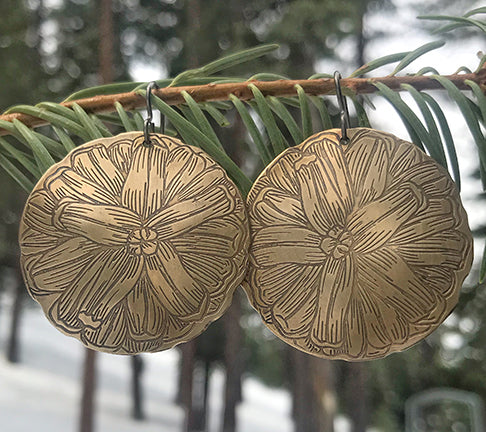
242, 90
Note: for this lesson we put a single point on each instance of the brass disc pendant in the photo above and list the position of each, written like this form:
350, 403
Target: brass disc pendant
132, 248
358, 250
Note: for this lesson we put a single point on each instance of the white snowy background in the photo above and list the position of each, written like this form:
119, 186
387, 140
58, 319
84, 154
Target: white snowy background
42, 393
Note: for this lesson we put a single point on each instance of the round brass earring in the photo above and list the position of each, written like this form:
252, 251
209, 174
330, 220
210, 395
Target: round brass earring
132, 245
360, 245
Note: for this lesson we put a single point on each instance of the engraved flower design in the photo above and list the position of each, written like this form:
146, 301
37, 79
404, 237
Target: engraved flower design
357, 250
132, 248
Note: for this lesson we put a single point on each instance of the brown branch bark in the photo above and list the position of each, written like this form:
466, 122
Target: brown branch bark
280, 88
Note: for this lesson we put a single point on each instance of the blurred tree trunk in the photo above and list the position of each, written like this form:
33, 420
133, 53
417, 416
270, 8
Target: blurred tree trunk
303, 401
207, 375
198, 421
106, 33
361, 38
105, 51
356, 393
233, 362
234, 359
188, 350
324, 392
106, 71
137, 396
192, 34
356, 377
88, 392
186, 375
313, 394
18, 294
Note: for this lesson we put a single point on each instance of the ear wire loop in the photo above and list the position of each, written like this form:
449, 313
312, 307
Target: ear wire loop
343, 106
148, 125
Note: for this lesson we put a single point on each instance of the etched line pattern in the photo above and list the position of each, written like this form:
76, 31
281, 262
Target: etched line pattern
133, 249
357, 251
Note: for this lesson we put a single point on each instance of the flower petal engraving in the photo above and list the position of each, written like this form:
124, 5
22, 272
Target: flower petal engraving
277, 245
335, 292
188, 172
440, 216
66, 183
95, 164
389, 278
209, 255
52, 270
283, 278
39, 212
435, 250
107, 225
185, 215
294, 313
375, 223
326, 197
276, 207
383, 325
121, 153
208, 239
358, 250
131, 248
104, 282
143, 191
147, 313
368, 162
175, 288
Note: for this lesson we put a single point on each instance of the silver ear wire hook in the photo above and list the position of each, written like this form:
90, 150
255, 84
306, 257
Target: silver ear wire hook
148, 125
343, 106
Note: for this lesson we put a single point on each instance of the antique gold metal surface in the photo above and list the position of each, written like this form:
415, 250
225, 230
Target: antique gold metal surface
358, 250
132, 248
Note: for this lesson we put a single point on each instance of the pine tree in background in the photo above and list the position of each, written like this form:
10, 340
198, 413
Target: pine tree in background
22, 79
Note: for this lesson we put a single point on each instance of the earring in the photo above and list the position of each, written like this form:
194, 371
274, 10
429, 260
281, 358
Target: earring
134, 243
360, 244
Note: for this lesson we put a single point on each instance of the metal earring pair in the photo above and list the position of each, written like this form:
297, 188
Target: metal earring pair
359, 243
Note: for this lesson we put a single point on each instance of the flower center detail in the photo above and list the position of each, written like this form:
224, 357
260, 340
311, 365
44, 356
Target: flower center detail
337, 243
142, 241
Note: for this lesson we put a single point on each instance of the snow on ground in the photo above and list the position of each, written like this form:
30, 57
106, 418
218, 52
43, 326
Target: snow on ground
42, 392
